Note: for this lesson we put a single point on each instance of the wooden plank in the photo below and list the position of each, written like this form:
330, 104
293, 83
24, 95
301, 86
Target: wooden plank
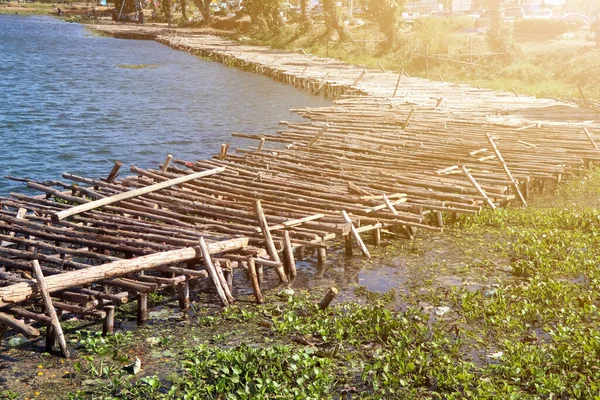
132, 193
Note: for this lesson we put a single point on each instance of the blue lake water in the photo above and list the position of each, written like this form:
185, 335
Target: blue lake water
67, 106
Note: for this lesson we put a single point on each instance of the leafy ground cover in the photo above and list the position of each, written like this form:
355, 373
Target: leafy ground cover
503, 305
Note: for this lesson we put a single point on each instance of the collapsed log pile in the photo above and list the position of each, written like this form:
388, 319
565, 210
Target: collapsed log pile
367, 164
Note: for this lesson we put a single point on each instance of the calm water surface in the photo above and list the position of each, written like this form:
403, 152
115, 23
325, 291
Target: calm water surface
65, 105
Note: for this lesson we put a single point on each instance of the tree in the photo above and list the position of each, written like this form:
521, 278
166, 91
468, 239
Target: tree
332, 20
500, 35
183, 4
204, 7
385, 14
266, 12
305, 13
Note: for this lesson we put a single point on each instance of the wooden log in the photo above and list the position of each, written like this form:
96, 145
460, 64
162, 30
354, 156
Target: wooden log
50, 338
108, 326
376, 236
213, 272
408, 118
329, 296
167, 162
142, 308
478, 188
60, 337
184, 295
114, 172
18, 326
21, 312
348, 245
288, 255
262, 221
118, 298
356, 235
23, 290
131, 194
254, 281
321, 256
223, 282
506, 170
75, 309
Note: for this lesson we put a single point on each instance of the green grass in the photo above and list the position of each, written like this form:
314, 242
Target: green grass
27, 8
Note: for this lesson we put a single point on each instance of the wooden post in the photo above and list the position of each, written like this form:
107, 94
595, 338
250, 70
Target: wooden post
50, 338
229, 278
478, 188
321, 255
506, 170
261, 144
376, 236
132, 193
142, 308
581, 93
39, 277
167, 163
288, 254
109, 321
348, 245
183, 290
439, 218
264, 227
356, 235
398, 82
254, 281
223, 282
329, 296
114, 172
213, 272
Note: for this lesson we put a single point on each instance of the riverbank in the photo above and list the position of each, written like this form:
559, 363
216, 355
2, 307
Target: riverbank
471, 314
68, 10
503, 304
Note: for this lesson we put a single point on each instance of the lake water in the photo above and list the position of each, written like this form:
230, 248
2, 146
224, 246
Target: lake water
67, 106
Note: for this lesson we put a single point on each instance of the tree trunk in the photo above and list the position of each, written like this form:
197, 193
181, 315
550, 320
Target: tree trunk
204, 7
332, 20
184, 9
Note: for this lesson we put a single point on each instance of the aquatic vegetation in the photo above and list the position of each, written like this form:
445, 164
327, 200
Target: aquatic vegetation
137, 66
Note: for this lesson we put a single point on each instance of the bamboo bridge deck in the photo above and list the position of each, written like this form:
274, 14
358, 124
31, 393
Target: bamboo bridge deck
391, 153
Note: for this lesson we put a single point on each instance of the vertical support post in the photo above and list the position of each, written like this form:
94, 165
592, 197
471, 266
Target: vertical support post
142, 308
261, 144
254, 281
114, 172
348, 245
39, 276
288, 254
376, 236
356, 235
440, 219
50, 338
167, 163
321, 255
329, 296
223, 282
183, 290
264, 227
109, 321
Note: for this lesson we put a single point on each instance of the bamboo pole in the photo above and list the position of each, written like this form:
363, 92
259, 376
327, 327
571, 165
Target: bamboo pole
288, 253
478, 188
506, 170
262, 221
133, 193
39, 276
398, 82
254, 281
356, 235
21, 291
213, 272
